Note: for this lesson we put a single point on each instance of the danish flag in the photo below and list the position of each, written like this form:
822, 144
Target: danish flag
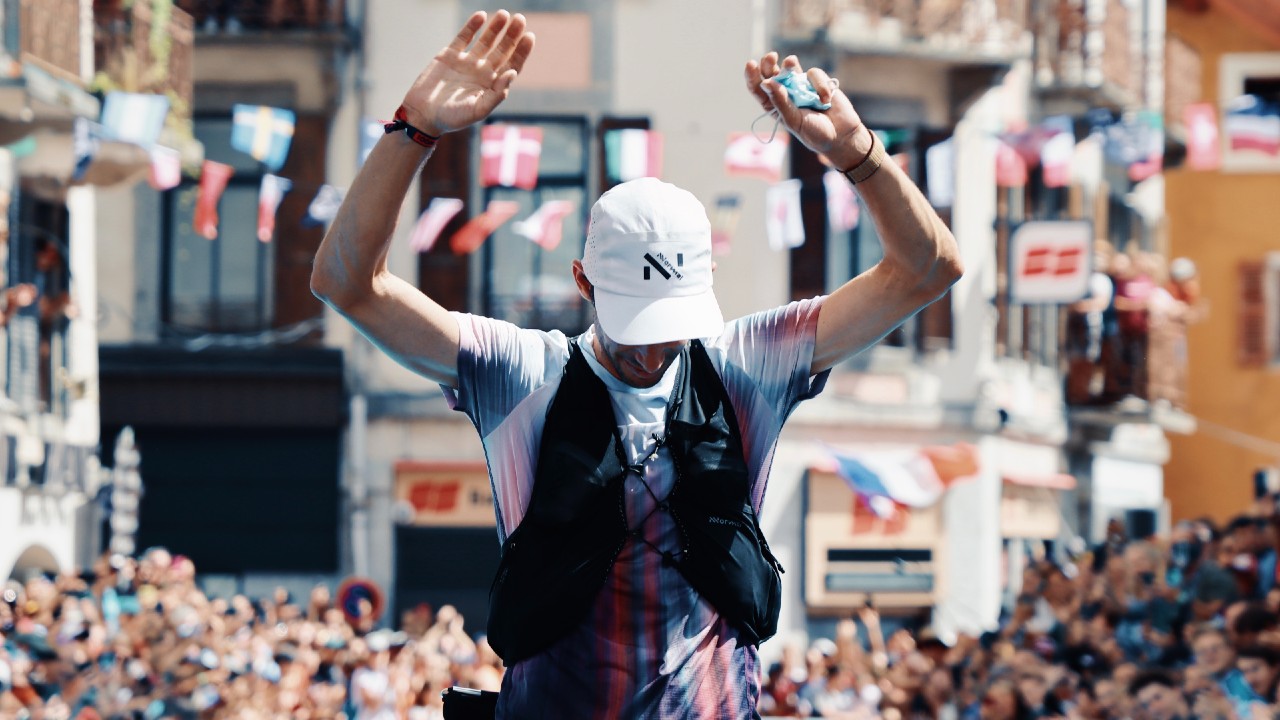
509, 156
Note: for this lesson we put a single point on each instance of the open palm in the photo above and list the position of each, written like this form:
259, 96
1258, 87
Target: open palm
462, 85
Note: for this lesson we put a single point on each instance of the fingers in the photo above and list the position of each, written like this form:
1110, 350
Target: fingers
781, 102
491, 32
468, 31
753, 78
523, 48
822, 84
769, 65
507, 42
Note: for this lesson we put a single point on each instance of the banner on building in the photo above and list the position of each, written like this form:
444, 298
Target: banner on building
444, 494
1049, 261
134, 117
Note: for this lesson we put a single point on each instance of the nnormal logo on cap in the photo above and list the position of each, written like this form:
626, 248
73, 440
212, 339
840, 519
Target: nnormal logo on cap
664, 266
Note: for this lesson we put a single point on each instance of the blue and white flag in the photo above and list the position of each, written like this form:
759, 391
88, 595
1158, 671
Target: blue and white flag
1252, 124
888, 478
263, 132
324, 207
134, 117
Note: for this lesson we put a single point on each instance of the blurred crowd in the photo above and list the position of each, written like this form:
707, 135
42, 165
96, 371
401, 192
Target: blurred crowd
1155, 628
1127, 338
1158, 628
137, 639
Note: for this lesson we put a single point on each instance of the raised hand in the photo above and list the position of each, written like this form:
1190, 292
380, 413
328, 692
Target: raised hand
834, 133
462, 85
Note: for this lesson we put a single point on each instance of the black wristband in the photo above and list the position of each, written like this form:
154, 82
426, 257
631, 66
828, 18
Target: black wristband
402, 123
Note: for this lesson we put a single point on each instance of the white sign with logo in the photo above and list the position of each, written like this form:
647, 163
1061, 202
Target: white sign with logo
1050, 261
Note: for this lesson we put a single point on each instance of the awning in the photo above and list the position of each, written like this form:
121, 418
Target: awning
47, 171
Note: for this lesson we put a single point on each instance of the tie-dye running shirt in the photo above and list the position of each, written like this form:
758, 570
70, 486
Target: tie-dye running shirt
651, 646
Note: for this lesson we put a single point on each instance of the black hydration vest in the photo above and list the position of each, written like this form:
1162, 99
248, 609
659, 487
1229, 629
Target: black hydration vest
557, 560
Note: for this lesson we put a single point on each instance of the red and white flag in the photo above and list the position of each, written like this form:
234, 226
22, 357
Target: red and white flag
166, 168
478, 229
432, 220
1055, 159
783, 223
509, 155
842, 204
632, 153
1011, 168
747, 156
544, 227
213, 180
270, 193
1204, 152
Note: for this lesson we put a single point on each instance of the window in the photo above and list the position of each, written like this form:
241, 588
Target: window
1259, 320
830, 257
36, 332
523, 283
225, 284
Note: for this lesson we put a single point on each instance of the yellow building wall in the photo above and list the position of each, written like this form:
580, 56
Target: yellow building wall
1218, 220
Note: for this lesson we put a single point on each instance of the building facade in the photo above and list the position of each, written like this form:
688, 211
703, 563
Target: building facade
1221, 218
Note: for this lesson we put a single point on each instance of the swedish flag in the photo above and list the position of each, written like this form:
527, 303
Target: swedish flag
263, 132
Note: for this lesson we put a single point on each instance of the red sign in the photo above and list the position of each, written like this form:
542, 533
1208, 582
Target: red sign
1050, 262
444, 494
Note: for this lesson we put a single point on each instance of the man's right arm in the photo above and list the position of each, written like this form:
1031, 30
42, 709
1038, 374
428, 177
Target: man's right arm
460, 87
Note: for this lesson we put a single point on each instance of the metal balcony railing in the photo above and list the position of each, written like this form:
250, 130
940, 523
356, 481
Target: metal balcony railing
235, 16
944, 26
136, 56
49, 34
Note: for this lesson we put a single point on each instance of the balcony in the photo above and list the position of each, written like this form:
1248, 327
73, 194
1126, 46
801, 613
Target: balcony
1085, 51
1129, 377
965, 31
235, 17
48, 39
44, 65
133, 55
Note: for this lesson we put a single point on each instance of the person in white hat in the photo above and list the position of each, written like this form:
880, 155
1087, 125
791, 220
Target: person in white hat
629, 463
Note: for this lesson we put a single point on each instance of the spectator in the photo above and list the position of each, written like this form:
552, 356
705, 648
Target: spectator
1216, 659
1156, 694
1259, 666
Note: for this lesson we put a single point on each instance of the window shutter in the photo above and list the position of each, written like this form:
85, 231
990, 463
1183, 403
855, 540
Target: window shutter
1252, 348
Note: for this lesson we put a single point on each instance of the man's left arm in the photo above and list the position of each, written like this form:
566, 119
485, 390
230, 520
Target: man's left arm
921, 260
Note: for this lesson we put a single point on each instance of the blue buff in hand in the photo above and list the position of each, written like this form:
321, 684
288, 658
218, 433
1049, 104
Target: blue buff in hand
801, 90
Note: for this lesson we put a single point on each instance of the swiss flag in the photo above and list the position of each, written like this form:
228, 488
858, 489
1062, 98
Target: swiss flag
509, 156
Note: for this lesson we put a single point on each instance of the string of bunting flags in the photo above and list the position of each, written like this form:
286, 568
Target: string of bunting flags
510, 156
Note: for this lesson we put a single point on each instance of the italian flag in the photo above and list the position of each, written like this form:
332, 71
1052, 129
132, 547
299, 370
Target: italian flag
632, 153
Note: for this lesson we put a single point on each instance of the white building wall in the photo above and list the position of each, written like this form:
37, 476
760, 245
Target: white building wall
38, 520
